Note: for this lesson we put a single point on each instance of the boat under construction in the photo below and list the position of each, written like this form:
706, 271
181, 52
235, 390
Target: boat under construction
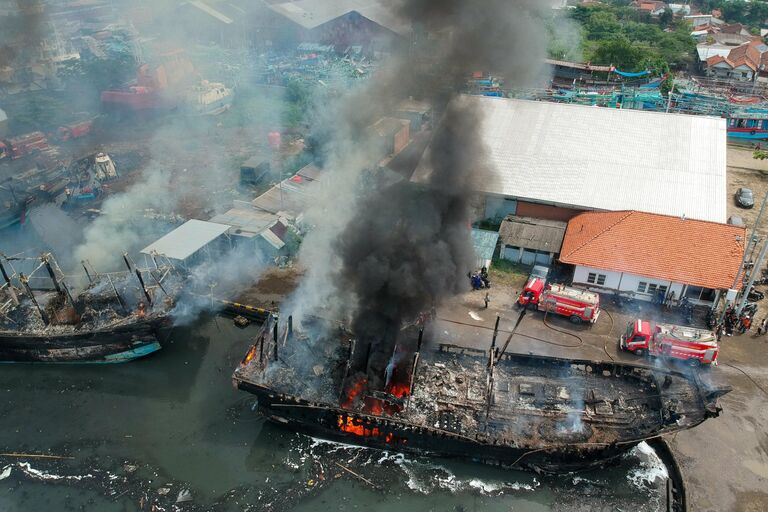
540, 413
116, 317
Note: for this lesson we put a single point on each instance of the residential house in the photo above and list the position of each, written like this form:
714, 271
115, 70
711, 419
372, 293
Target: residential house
680, 9
651, 7
736, 28
653, 256
742, 63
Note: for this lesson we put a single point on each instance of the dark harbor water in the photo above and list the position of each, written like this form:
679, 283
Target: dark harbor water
170, 428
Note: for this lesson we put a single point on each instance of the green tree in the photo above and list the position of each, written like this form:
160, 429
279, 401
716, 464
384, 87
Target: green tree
666, 18
602, 24
620, 52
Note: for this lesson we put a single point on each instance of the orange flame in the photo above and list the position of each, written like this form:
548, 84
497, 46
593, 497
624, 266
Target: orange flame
250, 355
353, 392
399, 389
356, 427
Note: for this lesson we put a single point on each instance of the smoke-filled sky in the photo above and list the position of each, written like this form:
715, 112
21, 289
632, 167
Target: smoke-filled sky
379, 257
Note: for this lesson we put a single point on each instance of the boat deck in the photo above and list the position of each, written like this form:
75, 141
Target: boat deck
527, 401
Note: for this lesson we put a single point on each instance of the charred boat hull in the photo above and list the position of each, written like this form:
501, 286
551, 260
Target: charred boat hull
543, 413
116, 345
339, 425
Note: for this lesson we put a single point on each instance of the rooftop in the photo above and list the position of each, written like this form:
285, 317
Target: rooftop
602, 158
186, 240
313, 13
530, 233
484, 242
694, 252
289, 197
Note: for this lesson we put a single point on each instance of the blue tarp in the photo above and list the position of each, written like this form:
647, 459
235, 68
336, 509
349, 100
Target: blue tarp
652, 85
624, 73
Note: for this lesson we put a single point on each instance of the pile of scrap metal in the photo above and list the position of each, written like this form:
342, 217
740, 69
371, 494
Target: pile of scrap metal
533, 412
116, 317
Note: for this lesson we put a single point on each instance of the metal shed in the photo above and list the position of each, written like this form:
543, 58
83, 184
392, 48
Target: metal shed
531, 241
185, 244
484, 242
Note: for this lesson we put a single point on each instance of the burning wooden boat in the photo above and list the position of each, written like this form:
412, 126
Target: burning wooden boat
532, 412
115, 318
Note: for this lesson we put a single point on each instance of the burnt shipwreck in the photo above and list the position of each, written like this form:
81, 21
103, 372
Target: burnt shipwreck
531, 412
116, 317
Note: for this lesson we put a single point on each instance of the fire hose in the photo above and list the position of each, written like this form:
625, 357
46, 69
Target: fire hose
758, 386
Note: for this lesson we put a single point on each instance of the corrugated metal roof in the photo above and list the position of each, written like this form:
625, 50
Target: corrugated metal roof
247, 219
484, 242
706, 51
3, 116
313, 13
536, 234
602, 158
186, 240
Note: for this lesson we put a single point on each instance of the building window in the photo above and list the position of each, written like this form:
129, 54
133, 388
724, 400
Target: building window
693, 292
594, 278
702, 294
663, 289
641, 286
708, 294
652, 289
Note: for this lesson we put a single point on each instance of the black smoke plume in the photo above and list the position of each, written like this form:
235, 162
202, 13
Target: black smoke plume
410, 246
407, 247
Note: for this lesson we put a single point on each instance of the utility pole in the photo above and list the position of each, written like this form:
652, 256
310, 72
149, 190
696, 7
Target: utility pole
758, 264
744, 258
750, 242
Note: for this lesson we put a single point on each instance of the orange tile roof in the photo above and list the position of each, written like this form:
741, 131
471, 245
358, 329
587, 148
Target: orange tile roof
694, 252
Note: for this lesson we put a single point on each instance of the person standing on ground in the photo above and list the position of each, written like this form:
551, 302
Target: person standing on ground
746, 323
486, 299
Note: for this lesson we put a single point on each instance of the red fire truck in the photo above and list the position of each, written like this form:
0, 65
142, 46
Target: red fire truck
697, 346
23, 145
577, 304
74, 130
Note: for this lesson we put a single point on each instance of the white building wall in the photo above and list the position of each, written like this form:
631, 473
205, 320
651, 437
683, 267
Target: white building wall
624, 282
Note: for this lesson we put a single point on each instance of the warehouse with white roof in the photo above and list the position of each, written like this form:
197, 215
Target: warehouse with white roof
190, 243
555, 160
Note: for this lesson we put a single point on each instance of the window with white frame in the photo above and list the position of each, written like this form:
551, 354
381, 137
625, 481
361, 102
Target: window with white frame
652, 288
595, 278
641, 286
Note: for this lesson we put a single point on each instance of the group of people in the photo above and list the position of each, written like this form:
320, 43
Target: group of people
479, 279
741, 324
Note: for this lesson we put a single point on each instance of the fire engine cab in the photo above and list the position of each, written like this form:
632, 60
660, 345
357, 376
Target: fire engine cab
697, 346
577, 304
